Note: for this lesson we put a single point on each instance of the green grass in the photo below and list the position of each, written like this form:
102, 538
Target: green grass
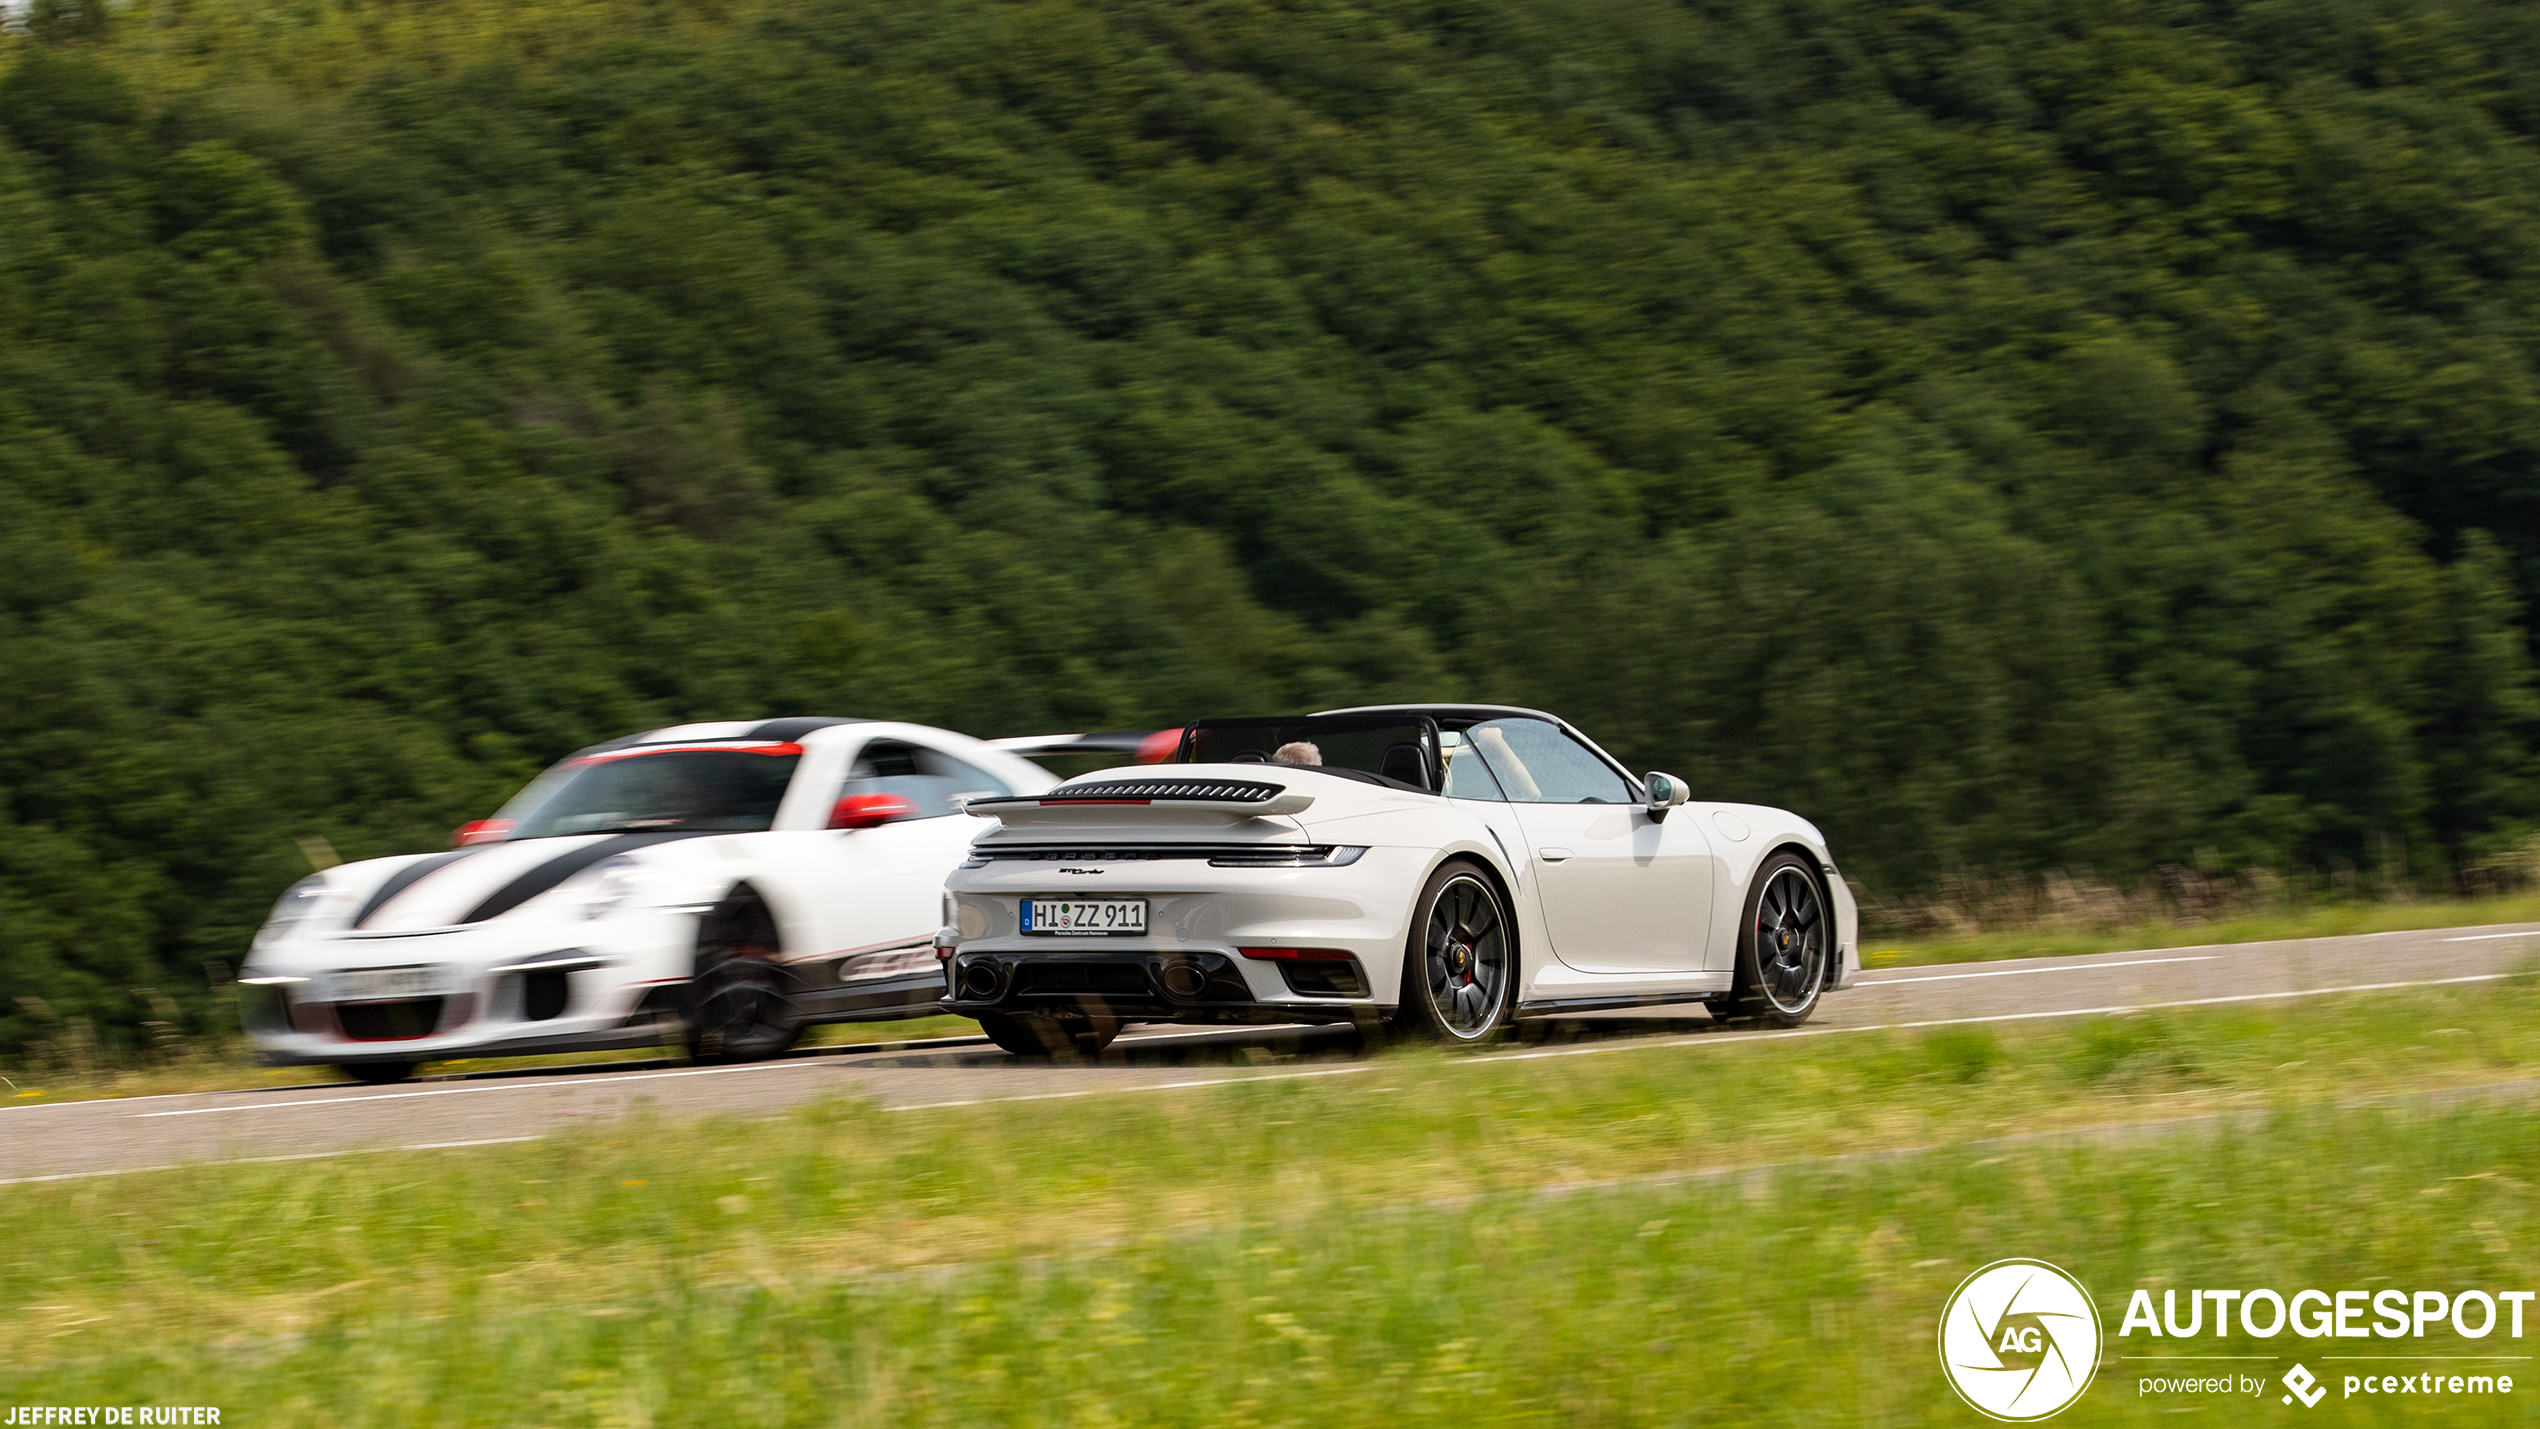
1362, 1248
2319, 920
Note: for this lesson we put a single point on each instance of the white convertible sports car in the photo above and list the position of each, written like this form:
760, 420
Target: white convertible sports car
1443, 868
735, 882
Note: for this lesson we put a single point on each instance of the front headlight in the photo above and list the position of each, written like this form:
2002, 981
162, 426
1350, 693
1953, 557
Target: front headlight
613, 882
291, 907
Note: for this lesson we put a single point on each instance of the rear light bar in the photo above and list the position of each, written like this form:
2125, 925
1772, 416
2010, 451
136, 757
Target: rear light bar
1310, 955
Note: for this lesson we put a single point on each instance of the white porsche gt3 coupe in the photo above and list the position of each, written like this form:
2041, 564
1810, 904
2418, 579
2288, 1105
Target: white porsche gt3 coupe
735, 882
1442, 868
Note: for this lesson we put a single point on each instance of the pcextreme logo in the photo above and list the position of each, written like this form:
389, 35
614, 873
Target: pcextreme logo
2019, 1340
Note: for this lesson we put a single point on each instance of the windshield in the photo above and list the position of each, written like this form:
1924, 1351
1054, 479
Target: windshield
1401, 748
717, 790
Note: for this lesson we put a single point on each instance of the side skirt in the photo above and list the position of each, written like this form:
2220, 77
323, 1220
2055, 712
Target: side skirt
1557, 1006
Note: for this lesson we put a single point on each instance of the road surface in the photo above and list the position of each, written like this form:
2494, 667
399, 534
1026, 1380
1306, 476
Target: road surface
75, 1139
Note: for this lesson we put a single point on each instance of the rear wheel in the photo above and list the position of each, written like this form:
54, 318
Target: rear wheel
1783, 945
377, 1074
1041, 1034
738, 1007
1459, 969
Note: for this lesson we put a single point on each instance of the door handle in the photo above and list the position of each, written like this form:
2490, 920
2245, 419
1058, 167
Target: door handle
1552, 855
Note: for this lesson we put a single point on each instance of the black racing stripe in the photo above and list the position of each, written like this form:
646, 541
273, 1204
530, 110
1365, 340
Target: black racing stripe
790, 730
565, 865
407, 877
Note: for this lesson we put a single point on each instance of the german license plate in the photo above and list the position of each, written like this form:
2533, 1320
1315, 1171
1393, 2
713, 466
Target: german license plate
1085, 917
387, 984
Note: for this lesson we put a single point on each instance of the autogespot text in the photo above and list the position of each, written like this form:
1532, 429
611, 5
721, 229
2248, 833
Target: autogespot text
2330, 1314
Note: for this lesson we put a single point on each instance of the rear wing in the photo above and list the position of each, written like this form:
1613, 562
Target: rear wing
1146, 801
1150, 746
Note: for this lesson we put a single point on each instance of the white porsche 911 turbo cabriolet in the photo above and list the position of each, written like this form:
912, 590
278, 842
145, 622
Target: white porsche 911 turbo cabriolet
1441, 868
732, 883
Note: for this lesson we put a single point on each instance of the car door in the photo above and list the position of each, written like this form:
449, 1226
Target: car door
896, 871
1622, 892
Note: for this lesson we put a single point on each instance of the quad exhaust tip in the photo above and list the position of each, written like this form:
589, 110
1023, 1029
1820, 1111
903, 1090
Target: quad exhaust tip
1183, 978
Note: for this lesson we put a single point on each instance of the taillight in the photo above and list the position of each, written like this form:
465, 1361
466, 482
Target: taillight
1288, 954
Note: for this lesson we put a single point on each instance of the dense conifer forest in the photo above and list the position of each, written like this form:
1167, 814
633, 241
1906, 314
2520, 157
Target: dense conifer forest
2019, 436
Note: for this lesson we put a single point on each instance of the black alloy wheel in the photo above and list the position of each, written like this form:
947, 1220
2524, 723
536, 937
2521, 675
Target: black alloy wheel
1043, 1034
377, 1074
738, 1006
1459, 971
1785, 945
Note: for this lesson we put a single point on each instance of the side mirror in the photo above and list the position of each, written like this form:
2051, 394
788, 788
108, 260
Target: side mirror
479, 831
871, 811
1666, 791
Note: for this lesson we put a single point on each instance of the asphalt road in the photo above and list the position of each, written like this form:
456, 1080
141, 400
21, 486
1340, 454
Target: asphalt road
74, 1139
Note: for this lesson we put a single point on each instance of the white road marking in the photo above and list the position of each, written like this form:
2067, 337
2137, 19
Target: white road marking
520, 1086
1703, 1040
2079, 962
261, 1160
1151, 1087
1710, 1040
1867, 981
1716, 1040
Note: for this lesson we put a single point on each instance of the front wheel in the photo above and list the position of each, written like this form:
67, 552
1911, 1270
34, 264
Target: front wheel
1784, 945
1459, 968
740, 1013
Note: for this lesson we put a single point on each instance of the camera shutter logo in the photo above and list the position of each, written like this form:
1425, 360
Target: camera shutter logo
2019, 1340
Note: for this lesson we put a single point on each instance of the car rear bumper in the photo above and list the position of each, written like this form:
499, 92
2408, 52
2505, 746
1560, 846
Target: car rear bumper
1134, 985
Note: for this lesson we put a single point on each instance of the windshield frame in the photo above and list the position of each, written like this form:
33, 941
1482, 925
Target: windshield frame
523, 808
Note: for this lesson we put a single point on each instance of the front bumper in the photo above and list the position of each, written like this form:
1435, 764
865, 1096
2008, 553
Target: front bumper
501, 989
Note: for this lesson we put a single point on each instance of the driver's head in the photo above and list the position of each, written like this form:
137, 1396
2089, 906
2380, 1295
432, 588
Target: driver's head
1296, 752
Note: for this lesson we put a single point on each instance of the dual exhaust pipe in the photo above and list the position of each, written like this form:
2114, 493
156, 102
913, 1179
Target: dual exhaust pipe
1184, 979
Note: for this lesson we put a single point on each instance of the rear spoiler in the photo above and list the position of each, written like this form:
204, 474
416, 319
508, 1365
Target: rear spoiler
1151, 746
1228, 801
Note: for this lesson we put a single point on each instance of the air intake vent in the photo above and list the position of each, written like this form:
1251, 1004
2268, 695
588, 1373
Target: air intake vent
1215, 791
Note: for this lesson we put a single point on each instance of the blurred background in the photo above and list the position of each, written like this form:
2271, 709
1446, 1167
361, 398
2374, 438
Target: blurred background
2077, 455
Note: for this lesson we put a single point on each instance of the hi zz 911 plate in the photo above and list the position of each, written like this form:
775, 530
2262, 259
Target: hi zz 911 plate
1085, 917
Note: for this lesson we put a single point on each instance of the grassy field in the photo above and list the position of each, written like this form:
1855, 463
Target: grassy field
2318, 920
1754, 1233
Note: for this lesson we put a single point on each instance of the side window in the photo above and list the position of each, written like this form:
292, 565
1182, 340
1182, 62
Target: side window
1537, 764
1467, 777
929, 778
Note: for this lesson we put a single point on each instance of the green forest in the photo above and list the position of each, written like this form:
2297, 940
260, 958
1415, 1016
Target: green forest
2017, 436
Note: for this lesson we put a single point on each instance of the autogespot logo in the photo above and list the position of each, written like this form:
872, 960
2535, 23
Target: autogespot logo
2019, 1340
